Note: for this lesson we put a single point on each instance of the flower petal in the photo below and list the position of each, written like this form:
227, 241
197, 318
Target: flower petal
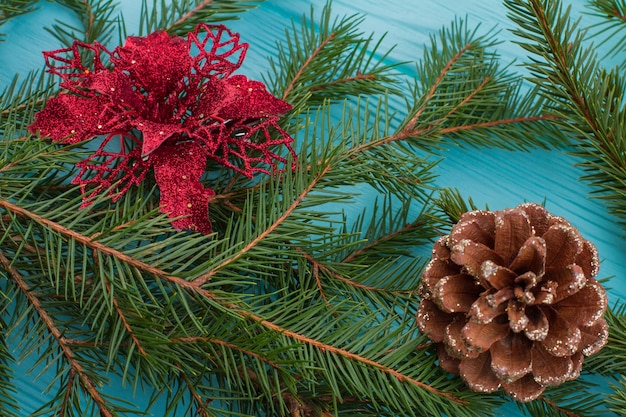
250, 100
69, 64
120, 165
155, 134
117, 87
538, 325
157, 63
594, 337
562, 339
512, 230
471, 255
585, 307
563, 244
524, 389
456, 293
478, 375
219, 51
531, 257
177, 170
481, 336
510, 357
431, 321
549, 369
70, 119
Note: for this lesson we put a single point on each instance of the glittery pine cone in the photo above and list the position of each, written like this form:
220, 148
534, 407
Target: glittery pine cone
511, 300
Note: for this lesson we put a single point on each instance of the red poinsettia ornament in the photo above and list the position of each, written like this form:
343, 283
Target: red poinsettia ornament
172, 102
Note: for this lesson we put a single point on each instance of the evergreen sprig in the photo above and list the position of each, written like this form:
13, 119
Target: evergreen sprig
611, 27
180, 17
464, 94
12, 8
293, 307
328, 58
586, 99
99, 21
9, 406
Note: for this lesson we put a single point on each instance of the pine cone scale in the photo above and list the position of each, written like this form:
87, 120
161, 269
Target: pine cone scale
512, 231
531, 257
456, 293
478, 374
550, 370
510, 357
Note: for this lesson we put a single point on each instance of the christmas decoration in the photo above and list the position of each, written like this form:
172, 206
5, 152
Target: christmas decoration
173, 102
511, 300
297, 294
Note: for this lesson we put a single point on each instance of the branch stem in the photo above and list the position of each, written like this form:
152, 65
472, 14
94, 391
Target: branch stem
68, 353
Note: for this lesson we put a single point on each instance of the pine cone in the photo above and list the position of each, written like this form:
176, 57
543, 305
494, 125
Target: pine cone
511, 300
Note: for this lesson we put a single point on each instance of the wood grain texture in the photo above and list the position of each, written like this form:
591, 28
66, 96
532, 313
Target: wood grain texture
514, 177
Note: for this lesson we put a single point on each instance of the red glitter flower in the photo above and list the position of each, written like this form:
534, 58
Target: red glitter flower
174, 103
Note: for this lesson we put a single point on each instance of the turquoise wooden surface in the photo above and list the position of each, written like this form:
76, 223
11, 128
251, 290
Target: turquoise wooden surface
513, 177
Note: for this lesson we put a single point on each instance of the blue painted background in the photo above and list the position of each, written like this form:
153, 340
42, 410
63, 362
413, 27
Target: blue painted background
514, 177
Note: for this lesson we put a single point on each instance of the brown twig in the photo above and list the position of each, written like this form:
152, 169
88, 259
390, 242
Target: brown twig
500, 122
75, 365
467, 99
306, 63
317, 266
91, 20
197, 398
191, 12
198, 282
431, 93
196, 287
346, 80
557, 407
68, 391
120, 313
195, 339
407, 227
410, 129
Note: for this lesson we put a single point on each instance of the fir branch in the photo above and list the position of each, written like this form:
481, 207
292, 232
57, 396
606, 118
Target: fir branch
98, 22
9, 406
76, 367
263, 321
617, 399
13, 8
464, 95
572, 399
452, 205
588, 100
329, 60
20, 99
204, 278
611, 27
180, 17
